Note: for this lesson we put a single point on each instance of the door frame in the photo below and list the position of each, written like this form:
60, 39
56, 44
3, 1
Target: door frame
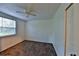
65, 28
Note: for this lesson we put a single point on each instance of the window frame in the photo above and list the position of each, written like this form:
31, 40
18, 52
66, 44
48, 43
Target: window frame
15, 28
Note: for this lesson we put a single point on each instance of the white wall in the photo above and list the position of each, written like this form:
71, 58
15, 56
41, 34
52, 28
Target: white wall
58, 29
39, 30
7, 42
50, 31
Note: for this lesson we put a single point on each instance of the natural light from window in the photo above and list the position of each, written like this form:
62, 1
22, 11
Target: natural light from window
7, 27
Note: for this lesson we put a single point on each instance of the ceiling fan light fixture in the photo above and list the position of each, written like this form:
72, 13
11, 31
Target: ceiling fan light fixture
29, 12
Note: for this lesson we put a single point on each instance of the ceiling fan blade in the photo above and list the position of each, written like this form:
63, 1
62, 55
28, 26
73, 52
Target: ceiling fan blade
33, 14
27, 16
19, 12
31, 8
30, 15
29, 12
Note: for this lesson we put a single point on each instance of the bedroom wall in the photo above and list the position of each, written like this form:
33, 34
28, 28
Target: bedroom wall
39, 30
7, 42
49, 31
58, 29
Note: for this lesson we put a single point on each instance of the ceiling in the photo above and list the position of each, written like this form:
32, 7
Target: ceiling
44, 11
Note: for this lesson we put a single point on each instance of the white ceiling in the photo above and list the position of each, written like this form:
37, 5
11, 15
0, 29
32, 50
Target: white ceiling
43, 10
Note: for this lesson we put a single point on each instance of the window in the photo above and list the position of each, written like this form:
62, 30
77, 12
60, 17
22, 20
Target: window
7, 27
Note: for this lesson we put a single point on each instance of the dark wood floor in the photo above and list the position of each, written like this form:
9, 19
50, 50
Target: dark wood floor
30, 48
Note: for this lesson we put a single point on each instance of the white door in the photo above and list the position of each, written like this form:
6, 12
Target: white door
70, 49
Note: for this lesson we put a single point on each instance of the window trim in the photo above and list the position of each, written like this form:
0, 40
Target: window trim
15, 29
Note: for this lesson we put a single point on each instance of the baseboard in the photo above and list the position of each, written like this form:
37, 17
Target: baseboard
38, 41
54, 49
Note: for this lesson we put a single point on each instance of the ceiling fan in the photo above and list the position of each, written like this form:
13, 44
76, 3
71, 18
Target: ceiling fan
29, 12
